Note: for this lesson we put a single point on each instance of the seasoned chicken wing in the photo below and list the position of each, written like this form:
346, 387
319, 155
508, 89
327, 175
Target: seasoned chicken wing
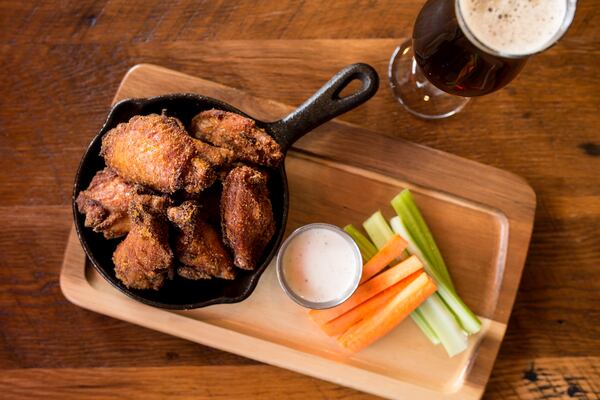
198, 246
238, 134
144, 259
217, 156
156, 151
246, 215
105, 203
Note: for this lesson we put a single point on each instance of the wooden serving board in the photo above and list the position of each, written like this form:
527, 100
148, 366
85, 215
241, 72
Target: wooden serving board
481, 217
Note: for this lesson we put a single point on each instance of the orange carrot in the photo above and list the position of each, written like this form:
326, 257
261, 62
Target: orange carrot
342, 323
379, 324
388, 253
369, 289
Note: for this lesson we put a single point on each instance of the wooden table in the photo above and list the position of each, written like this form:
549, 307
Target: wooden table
61, 64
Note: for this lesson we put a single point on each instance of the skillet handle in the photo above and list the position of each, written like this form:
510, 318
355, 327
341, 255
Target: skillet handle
326, 104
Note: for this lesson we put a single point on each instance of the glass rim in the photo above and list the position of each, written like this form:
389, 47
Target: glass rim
564, 27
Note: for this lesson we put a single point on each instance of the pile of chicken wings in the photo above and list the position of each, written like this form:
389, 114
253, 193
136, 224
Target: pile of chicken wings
156, 191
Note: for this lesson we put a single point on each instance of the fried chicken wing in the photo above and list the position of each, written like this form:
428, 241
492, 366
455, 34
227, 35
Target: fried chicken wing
198, 246
246, 215
105, 203
144, 259
217, 156
238, 134
156, 151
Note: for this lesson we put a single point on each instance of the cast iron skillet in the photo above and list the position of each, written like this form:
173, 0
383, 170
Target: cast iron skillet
186, 294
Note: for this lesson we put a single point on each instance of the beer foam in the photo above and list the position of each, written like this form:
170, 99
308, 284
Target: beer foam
515, 27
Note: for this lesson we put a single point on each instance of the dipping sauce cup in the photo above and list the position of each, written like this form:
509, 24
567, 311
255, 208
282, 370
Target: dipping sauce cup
319, 266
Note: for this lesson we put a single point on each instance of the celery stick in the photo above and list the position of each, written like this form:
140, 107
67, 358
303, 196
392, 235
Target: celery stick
380, 233
466, 317
468, 320
367, 249
399, 228
378, 229
451, 338
419, 319
410, 225
415, 224
445, 325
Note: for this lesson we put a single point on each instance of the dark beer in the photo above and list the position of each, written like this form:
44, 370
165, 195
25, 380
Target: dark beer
451, 61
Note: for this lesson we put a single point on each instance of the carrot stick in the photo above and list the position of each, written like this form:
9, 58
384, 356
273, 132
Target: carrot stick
388, 253
369, 289
379, 324
342, 323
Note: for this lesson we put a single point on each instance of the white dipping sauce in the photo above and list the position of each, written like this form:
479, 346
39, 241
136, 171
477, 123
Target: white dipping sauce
319, 265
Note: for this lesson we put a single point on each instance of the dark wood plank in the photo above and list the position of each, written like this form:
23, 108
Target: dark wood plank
61, 62
543, 378
167, 21
177, 382
546, 378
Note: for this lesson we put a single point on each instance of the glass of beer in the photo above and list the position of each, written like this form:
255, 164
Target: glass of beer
466, 48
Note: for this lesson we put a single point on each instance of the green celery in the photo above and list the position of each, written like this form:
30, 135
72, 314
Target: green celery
411, 226
380, 233
419, 319
378, 229
468, 320
399, 228
445, 325
407, 210
367, 249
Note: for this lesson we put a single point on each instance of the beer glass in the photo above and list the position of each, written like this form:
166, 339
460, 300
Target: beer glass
466, 48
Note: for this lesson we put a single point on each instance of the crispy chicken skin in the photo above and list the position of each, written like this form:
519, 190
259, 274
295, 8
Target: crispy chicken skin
246, 215
144, 259
152, 162
238, 134
105, 203
198, 246
156, 151
217, 156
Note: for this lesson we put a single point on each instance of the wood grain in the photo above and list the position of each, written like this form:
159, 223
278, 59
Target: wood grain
63, 60
543, 378
184, 382
547, 378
